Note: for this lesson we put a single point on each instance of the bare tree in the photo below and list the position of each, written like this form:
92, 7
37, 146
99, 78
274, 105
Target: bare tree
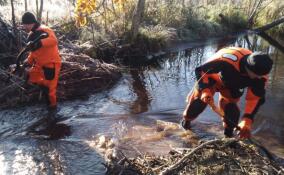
13, 14
270, 25
253, 13
15, 26
36, 8
39, 9
137, 18
26, 5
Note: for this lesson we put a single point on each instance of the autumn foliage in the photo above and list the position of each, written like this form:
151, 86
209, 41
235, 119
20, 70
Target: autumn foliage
84, 8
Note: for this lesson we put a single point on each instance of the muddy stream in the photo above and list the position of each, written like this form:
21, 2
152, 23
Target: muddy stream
140, 114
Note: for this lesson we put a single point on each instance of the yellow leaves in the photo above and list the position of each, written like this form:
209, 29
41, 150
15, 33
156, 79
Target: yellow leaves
121, 4
84, 8
120, 1
81, 20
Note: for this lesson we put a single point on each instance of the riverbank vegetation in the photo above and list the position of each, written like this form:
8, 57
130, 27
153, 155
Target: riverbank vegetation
188, 20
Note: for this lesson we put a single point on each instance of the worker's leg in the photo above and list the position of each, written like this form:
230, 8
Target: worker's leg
35, 75
51, 83
232, 114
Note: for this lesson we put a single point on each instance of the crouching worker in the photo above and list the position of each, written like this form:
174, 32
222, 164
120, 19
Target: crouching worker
43, 58
229, 72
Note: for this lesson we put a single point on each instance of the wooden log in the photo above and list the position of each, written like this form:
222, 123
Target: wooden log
272, 41
270, 25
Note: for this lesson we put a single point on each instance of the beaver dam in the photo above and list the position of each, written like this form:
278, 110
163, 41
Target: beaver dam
78, 74
219, 156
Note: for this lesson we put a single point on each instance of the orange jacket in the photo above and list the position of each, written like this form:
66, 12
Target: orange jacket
226, 70
48, 54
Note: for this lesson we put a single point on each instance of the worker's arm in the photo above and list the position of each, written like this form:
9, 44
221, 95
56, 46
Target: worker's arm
34, 40
38, 39
254, 99
202, 73
204, 82
51, 40
30, 59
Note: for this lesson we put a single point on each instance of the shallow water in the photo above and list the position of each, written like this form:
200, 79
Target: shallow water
140, 114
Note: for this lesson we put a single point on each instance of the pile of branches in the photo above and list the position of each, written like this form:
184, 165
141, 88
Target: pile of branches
11, 40
220, 156
80, 75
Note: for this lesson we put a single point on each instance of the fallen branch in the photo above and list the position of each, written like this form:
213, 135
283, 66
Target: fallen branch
270, 25
272, 41
74, 55
180, 163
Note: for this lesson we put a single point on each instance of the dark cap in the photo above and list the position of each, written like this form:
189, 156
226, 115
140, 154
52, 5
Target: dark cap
28, 18
259, 63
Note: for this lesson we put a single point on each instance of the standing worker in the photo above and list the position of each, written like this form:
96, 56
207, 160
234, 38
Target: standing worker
44, 58
228, 72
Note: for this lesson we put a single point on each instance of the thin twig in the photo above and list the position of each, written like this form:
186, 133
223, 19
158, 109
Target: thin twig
180, 163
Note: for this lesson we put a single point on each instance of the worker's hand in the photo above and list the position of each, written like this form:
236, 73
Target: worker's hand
206, 96
26, 63
30, 45
185, 124
245, 128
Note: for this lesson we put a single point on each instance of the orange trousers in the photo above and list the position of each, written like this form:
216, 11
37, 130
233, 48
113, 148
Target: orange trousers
36, 76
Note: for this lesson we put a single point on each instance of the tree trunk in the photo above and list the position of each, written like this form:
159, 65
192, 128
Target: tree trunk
105, 16
272, 41
40, 11
37, 8
270, 25
26, 5
47, 18
137, 17
13, 14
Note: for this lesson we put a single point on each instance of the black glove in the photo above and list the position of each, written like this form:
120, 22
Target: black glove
33, 46
185, 124
35, 39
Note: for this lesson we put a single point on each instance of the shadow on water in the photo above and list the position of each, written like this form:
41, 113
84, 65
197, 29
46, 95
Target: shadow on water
141, 114
143, 100
53, 131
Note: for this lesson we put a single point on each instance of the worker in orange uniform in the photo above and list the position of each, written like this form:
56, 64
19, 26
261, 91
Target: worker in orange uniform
44, 58
229, 72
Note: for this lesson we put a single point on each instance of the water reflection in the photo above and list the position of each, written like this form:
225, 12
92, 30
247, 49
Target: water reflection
224, 42
138, 86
